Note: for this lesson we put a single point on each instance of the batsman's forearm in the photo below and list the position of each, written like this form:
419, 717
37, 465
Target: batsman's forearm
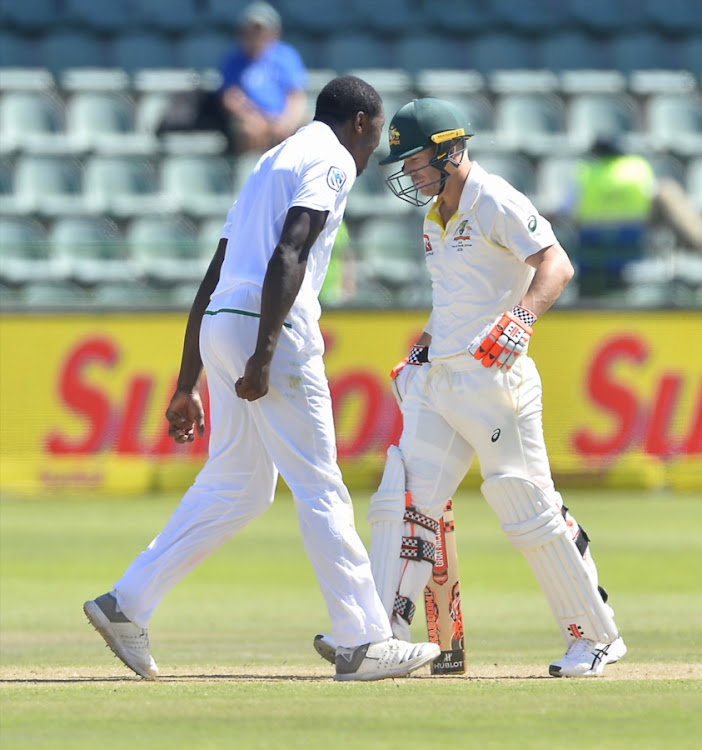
553, 273
191, 359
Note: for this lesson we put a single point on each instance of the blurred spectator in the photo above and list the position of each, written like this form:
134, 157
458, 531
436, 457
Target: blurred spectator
262, 98
263, 82
340, 282
615, 202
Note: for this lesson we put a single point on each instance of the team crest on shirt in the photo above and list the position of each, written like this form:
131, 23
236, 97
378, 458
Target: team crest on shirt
336, 177
462, 237
428, 249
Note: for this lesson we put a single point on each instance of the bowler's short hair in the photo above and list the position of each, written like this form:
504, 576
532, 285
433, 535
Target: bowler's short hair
345, 96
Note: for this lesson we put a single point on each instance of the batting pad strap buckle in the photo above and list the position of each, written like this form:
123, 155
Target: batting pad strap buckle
416, 548
404, 608
414, 516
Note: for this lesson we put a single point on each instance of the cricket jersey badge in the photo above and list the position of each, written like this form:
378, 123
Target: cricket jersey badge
428, 249
393, 136
462, 238
336, 177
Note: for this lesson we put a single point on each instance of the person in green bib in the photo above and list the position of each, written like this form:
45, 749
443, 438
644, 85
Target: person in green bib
617, 199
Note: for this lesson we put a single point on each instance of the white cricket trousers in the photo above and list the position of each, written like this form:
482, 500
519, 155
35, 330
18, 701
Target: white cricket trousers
459, 409
290, 430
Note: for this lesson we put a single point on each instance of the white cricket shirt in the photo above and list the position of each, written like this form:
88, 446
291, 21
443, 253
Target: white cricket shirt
310, 169
476, 261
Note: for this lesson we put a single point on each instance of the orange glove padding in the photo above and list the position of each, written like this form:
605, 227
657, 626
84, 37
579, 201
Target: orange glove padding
503, 342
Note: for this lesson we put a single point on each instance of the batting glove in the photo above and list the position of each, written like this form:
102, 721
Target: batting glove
404, 370
502, 342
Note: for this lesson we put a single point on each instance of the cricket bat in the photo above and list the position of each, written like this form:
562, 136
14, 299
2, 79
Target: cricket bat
442, 601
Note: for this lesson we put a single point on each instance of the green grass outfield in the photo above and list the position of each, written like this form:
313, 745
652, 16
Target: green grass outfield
233, 641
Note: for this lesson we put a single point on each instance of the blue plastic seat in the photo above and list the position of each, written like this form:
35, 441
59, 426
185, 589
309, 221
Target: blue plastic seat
517, 170
530, 16
555, 183
49, 185
174, 16
164, 249
24, 251
94, 117
101, 17
690, 53
391, 250
89, 250
16, 50
502, 51
34, 120
395, 18
606, 16
198, 185
423, 51
134, 50
352, 50
571, 50
209, 234
641, 50
675, 122
674, 16
59, 295
597, 114
122, 185
204, 49
63, 49
535, 123
316, 17
468, 16
30, 15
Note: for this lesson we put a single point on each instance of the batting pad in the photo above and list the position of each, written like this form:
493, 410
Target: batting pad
386, 518
535, 526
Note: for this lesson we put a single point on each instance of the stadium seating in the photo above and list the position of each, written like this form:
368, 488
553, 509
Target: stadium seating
98, 17
602, 114
24, 252
199, 185
122, 185
89, 250
531, 122
83, 86
32, 120
164, 249
675, 122
49, 185
70, 48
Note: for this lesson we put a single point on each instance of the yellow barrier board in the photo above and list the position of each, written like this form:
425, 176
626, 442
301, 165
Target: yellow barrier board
82, 398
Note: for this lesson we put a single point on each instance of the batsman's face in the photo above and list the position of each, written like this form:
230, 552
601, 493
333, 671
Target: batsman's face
426, 178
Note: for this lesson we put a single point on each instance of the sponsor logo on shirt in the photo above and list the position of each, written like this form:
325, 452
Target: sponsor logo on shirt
531, 223
428, 249
462, 237
336, 178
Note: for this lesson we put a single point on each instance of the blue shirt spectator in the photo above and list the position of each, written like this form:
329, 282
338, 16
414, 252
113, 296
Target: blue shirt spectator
263, 82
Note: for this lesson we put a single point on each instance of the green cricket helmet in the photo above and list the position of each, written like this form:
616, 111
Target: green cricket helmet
420, 124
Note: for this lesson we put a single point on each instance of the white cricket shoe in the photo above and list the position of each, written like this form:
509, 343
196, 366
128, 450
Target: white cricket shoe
128, 641
325, 646
377, 661
585, 658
